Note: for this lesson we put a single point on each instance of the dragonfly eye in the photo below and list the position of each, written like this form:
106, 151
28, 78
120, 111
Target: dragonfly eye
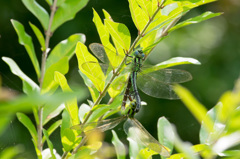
136, 53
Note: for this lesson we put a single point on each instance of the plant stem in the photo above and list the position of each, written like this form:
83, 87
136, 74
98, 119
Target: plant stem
43, 67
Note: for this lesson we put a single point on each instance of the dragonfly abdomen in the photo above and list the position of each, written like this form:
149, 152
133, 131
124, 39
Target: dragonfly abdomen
135, 91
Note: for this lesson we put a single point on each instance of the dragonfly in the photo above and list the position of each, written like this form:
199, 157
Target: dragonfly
132, 124
156, 83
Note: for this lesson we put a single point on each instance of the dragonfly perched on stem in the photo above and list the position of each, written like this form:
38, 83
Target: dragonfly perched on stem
132, 124
152, 81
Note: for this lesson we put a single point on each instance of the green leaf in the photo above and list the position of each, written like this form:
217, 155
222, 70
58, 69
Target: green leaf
92, 70
29, 125
146, 153
50, 145
172, 62
67, 11
140, 18
134, 147
98, 111
205, 16
50, 2
68, 136
49, 84
119, 146
149, 7
83, 110
196, 108
29, 86
230, 101
164, 127
11, 152
39, 36
120, 33
71, 105
207, 137
26, 40
50, 111
38, 11
117, 85
52, 128
93, 91
65, 48
105, 39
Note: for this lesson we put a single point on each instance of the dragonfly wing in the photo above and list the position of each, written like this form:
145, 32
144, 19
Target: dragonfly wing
143, 136
102, 125
159, 83
99, 52
107, 54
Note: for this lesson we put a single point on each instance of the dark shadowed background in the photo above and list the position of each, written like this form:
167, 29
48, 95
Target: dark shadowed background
215, 43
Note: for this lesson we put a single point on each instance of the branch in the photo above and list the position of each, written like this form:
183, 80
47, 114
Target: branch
43, 67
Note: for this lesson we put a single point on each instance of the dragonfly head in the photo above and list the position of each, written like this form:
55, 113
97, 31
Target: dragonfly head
139, 54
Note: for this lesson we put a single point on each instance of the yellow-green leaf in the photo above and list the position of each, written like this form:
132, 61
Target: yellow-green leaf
104, 37
49, 84
139, 17
65, 48
119, 33
89, 65
39, 36
70, 105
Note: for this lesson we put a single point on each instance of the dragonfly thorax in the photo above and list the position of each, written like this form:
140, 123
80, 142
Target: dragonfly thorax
139, 54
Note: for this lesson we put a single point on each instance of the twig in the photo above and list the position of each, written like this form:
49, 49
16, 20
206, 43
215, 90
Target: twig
43, 67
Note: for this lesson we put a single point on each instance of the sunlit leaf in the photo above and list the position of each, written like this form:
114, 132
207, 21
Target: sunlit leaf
39, 36
146, 153
172, 62
92, 89
105, 39
207, 137
52, 128
83, 109
205, 16
65, 48
71, 105
226, 142
230, 101
51, 111
95, 73
120, 33
49, 84
67, 11
38, 11
26, 40
164, 127
68, 136
197, 109
117, 86
29, 86
50, 145
119, 146
29, 125
140, 18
